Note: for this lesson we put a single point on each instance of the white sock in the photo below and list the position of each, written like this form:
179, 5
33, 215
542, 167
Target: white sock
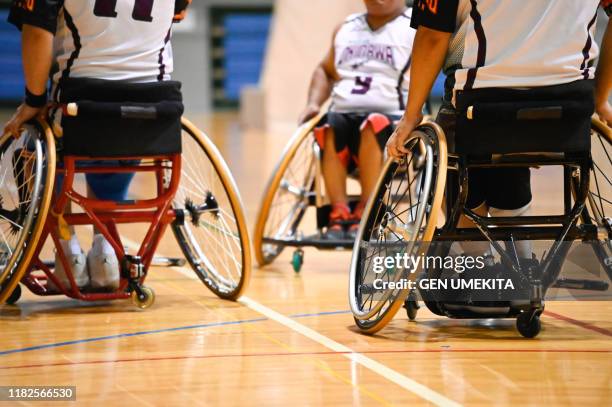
71, 246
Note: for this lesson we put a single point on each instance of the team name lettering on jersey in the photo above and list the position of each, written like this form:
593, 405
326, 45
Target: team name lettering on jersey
368, 52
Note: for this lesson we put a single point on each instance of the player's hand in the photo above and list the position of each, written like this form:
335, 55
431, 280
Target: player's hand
395, 145
311, 111
22, 115
180, 9
604, 111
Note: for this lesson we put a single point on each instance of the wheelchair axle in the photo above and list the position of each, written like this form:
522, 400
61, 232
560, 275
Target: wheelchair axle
194, 212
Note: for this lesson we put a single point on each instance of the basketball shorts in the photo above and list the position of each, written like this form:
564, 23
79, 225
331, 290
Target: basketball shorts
347, 128
107, 187
501, 188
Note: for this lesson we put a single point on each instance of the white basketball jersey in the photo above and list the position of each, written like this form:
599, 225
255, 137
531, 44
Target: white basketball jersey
373, 65
115, 40
523, 43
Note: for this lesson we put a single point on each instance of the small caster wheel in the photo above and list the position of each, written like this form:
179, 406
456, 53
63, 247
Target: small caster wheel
145, 299
15, 296
528, 324
298, 260
412, 306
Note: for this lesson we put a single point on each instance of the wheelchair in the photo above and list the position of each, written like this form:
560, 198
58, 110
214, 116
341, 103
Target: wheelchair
194, 193
295, 186
418, 201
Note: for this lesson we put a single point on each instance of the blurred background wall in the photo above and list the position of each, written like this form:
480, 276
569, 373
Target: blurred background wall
257, 55
301, 35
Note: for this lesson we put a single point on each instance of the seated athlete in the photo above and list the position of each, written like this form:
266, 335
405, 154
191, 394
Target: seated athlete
122, 40
502, 44
365, 72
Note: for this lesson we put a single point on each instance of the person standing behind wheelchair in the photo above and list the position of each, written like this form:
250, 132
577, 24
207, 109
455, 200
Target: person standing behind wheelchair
365, 73
114, 40
511, 44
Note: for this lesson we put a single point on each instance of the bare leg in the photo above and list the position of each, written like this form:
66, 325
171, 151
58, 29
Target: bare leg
370, 162
334, 172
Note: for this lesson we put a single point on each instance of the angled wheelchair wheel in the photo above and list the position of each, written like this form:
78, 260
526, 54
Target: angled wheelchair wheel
213, 236
600, 191
287, 195
400, 218
27, 171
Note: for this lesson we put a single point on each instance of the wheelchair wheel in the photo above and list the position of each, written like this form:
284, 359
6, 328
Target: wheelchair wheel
213, 236
27, 171
400, 218
600, 191
287, 194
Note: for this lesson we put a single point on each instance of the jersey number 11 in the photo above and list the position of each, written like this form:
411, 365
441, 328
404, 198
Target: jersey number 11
142, 9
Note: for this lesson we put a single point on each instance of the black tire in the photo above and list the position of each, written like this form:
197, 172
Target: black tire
412, 306
419, 181
15, 296
528, 324
214, 241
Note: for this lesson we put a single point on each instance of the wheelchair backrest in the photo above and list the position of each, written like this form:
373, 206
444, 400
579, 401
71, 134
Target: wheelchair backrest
119, 119
545, 119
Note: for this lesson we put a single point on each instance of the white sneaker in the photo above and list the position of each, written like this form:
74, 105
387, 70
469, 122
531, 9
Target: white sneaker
78, 266
103, 265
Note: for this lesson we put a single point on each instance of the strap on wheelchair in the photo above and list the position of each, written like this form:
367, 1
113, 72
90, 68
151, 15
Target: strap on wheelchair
519, 111
145, 111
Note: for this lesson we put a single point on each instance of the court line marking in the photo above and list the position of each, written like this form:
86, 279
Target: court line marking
129, 334
290, 354
405, 382
581, 324
392, 375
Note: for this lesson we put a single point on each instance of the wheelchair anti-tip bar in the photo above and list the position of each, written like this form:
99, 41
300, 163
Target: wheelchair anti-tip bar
146, 111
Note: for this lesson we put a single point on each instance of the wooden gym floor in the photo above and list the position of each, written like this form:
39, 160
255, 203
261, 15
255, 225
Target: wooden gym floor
292, 340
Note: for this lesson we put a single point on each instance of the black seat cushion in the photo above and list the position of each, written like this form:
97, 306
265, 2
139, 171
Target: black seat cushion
137, 133
545, 119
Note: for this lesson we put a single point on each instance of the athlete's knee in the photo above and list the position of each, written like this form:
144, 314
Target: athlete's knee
375, 123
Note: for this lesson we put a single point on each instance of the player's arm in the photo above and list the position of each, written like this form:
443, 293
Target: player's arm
603, 75
321, 84
37, 23
431, 42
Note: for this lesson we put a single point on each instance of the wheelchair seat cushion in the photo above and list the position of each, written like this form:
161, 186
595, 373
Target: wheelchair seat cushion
119, 119
545, 119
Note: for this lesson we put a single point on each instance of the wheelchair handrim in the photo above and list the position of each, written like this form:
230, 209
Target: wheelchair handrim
358, 313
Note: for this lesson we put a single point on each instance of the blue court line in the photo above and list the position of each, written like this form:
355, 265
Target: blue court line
157, 331
317, 314
127, 335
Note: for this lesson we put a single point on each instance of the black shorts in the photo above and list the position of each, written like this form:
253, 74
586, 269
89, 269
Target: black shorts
347, 129
501, 188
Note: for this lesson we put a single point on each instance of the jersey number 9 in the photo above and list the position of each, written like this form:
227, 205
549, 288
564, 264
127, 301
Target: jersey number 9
142, 9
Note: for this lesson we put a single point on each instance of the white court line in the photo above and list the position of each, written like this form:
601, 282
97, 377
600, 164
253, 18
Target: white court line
412, 386
401, 380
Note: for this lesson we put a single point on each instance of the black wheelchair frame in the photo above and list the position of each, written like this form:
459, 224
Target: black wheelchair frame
561, 229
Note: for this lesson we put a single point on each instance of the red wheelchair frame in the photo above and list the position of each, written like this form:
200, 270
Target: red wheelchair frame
105, 215
213, 216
